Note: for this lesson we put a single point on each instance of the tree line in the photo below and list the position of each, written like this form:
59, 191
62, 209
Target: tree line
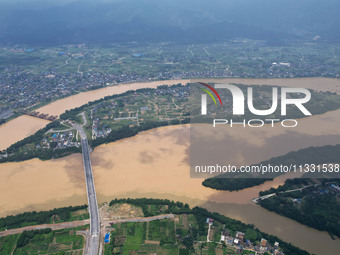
126, 131
38, 218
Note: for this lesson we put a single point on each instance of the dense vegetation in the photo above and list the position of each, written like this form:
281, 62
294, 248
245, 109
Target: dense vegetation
311, 155
232, 184
27, 236
320, 211
317, 208
43, 241
36, 218
201, 216
173, 207
290, 184
43, 154
7, 243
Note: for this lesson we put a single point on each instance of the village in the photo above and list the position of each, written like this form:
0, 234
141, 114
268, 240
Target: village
60, 140
240, 244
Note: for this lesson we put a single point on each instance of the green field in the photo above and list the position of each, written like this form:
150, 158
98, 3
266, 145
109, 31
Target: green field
57, 242
141, 237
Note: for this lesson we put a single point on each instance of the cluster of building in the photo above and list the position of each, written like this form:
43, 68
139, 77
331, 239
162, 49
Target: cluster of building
321, 190
99, 130
239, 243
21, 90
60, 140
272, 70
177, 92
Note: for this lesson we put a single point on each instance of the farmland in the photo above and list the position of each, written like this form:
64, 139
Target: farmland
44, 241
187, 232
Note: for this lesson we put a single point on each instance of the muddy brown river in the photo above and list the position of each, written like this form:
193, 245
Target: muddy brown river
155, 164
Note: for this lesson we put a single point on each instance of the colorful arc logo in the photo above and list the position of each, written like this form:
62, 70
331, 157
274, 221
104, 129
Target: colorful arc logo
209, 93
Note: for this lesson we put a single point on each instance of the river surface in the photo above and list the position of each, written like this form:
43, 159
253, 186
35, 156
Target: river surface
19, 128
155, 164
128, 168
60, 106
319, 84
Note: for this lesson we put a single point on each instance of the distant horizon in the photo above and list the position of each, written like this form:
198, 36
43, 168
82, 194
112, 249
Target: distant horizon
190, 21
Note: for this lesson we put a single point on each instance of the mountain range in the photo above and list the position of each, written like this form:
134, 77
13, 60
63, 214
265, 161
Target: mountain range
103, 21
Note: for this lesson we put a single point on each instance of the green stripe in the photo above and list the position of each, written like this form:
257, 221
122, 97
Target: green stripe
209, 95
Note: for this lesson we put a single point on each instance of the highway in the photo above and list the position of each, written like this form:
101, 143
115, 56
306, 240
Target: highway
92, 244
93, 239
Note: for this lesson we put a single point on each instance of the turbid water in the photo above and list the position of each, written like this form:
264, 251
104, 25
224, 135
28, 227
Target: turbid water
18, 129
155, 164
60, 106
319, 84
37, 185
128, 168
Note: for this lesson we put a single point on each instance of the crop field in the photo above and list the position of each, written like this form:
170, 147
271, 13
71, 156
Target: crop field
167, 236
158, 236
44, 242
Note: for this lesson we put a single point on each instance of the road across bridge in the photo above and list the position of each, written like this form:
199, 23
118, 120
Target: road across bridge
93, 240
92, 244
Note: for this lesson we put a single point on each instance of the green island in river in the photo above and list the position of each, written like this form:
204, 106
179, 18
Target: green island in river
120, 116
